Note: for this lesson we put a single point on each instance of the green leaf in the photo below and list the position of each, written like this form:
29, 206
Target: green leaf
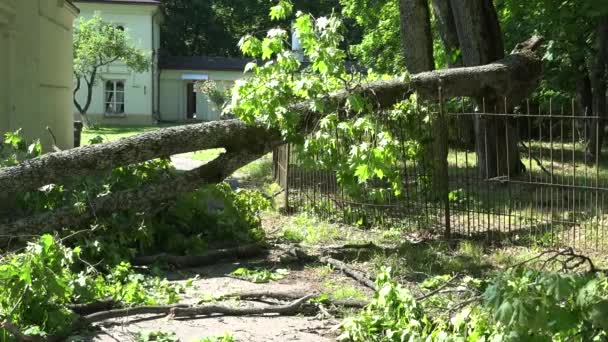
362, 173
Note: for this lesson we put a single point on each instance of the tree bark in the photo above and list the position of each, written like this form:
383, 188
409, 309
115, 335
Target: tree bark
417, 40
481, 42
598, 86
447, 31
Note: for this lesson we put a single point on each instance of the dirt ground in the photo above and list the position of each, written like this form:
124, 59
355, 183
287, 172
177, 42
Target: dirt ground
215, 280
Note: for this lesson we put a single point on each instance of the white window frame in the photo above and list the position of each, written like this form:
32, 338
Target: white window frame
110, 98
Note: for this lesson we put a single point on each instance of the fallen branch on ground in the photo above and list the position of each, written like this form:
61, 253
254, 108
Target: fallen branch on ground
291, 295
177, 311
438, 289
567, 257
90, 308
246, 251
359, 276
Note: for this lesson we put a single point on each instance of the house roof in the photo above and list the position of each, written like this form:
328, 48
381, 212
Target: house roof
71, 4
124, 2
202, 63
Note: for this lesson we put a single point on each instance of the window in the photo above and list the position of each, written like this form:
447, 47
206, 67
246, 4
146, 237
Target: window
115, 97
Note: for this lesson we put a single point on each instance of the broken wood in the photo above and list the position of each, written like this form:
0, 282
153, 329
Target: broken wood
245, 251
177, 311
359, 276
89, 308
292, 295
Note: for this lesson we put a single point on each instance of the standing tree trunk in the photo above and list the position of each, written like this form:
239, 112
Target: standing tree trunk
598, 87
584, 99
447, 31
481, 42
417, 40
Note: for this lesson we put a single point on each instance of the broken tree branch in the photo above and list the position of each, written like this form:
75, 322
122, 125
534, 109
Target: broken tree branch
355, 274
290, 295
244, 251
177, 311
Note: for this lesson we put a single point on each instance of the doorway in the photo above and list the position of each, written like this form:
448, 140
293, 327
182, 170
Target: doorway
191, 99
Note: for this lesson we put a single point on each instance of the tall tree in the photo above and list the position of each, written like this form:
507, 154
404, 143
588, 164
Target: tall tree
416, 35
214, 27
98, 44
442, 10
481, 42
597, 77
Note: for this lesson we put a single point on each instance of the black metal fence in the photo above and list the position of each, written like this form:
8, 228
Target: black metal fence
549, 186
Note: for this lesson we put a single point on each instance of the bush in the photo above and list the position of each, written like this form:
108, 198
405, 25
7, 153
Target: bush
519, 305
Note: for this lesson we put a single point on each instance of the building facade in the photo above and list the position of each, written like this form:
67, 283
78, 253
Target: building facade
36, 70
165, 93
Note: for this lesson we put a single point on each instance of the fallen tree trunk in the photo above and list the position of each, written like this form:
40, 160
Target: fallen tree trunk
178, 311
138, 199
513, 76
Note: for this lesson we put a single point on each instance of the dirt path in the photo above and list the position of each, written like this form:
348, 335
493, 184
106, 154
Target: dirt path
214, 281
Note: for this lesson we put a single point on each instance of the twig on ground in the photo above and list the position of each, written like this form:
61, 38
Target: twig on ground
570, 260
292, 295
357, 275
439, 289
184, 261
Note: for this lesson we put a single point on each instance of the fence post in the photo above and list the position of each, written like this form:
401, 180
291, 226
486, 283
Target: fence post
440, 167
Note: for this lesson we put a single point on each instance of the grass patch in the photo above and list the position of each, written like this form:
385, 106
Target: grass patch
206, 155
114, 132
341, 291
309, 230
259, 171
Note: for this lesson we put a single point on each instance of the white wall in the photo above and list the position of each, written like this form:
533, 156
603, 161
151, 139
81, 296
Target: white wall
139, 87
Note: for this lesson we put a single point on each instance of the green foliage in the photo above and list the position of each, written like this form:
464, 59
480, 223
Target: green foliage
226, 22
212, 213
227, 337
350, 140
518, 305
158, 336
380, 46
216, 92
260, 275
38, 284
15, 148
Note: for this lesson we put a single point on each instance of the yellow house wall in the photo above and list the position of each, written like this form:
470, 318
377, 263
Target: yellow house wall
173, 99
36, 68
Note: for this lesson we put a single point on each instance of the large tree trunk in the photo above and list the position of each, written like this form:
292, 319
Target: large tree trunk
447, 31
417, 40
520, 70
481, 42
598, 86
